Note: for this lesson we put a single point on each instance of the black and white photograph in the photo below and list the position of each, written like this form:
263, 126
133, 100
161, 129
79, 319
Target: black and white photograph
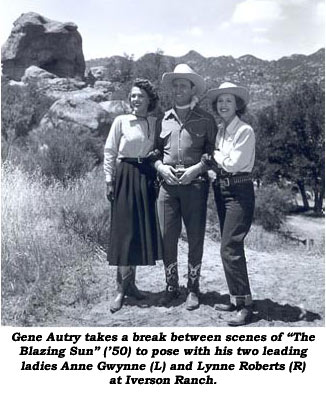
163, 164
112, 161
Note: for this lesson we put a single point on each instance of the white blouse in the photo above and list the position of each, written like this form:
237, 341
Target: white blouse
129, 136
235, 147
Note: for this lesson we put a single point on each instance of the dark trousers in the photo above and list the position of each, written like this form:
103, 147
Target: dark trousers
188, 203
235, 207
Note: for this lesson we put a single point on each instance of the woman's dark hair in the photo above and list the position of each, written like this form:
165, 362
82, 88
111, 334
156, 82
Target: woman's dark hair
148, 87
240, 104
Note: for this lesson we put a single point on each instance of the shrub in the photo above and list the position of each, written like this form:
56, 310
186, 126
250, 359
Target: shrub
272, 206
22, 108
60, 153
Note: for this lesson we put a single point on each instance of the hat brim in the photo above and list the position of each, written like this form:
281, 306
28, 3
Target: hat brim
197, 80
241, 92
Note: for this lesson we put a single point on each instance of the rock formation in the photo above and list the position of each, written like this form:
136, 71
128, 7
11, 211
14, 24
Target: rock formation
82, 114
53, 46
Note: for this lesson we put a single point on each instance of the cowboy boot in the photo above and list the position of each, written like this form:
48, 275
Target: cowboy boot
225, 307
124, 276
193, 287
132, 290
172, 280
244, 313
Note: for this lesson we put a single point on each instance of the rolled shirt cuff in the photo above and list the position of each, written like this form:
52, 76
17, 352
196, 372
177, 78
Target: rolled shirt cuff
219, 157
200, 167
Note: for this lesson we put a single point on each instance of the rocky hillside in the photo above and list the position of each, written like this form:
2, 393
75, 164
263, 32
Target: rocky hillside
266, 79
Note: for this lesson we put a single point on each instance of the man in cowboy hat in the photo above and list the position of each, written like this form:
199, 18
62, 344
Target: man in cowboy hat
185, 133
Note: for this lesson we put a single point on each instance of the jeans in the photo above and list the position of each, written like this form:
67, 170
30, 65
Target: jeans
235, 208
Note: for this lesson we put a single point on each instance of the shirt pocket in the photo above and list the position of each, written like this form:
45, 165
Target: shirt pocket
166, 133
196, 128
197, 133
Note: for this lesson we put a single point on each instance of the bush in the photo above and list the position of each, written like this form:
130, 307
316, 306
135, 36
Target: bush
60, 153
272, 206
22, 108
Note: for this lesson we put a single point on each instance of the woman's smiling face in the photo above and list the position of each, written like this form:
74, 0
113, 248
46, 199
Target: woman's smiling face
226, 107
139, 101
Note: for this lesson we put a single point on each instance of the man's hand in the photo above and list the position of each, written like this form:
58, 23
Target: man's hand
110, 191
190, 174
168, 173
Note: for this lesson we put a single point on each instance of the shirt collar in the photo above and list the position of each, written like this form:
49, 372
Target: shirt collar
134, 118
172, 113
232, 127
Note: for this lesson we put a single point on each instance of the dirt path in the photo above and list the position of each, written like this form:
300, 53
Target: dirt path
307, 227
288, 289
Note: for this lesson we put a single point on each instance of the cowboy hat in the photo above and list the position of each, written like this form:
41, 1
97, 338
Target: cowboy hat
229, 88
184, 71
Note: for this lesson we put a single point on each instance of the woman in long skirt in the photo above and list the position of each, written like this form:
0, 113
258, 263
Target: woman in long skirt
130, 176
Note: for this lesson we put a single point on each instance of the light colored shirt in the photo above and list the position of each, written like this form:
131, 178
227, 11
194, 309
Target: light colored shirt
236, 147
129, 136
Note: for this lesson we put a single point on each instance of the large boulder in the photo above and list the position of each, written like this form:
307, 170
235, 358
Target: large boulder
58, 88
82, 114
115, 107
53, 46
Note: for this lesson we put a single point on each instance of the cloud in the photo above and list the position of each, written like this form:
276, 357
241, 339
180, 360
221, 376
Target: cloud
260, 40
295, 2
260, 29
320, 12
257, 11
225, 25
196, 32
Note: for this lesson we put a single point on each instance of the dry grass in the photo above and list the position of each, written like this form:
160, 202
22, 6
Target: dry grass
45, 264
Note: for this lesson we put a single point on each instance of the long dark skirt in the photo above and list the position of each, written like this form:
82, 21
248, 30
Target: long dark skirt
134, 235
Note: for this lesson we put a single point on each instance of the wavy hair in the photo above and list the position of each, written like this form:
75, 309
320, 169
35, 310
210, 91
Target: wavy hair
240, 104
149, 88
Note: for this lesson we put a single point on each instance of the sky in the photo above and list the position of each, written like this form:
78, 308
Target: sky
267, 29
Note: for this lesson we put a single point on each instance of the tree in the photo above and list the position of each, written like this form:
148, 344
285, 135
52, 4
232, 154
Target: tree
290, 141
127, 68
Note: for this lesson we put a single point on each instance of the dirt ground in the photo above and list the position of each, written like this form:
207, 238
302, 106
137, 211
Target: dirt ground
287, 286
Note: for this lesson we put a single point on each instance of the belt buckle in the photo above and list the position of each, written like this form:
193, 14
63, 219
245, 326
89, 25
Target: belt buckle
180, 168
226, 182
139, 160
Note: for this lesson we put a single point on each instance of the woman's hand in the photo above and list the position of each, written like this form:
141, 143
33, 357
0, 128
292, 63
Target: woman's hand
110, 191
